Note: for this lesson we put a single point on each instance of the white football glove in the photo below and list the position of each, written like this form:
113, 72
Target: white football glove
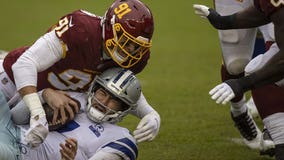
222, 93
148, 127
38, 124
201, 10
37, 132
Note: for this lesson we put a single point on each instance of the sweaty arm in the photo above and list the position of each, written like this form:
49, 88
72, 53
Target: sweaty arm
273, 71
42, 54
46, 51
248, 18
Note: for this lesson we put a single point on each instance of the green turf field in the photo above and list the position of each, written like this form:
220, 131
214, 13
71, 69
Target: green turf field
184, 66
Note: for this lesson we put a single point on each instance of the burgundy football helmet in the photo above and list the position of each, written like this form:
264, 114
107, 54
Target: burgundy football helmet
128, 28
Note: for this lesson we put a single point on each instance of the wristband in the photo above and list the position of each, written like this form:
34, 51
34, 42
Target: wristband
33, 103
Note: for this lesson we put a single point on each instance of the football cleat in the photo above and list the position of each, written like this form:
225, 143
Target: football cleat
267, 146
248, 130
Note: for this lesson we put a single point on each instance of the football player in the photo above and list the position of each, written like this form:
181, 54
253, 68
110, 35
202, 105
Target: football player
263, 70
237, 50
112, 95
76, 49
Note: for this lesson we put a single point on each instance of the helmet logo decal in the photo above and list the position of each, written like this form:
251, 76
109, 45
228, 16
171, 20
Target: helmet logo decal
122, 10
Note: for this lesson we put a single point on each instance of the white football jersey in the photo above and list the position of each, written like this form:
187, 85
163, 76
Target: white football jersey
91, 138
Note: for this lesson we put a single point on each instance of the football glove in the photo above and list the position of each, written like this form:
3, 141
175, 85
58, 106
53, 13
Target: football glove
218, 21
222, 93
148, 127
201, 10
37, 132
38, 124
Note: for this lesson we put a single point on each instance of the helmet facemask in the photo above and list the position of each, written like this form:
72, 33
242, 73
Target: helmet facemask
99, 112
125, 49
112, 95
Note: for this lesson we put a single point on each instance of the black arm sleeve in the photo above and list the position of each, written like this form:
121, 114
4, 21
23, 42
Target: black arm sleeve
221, 22
257, 79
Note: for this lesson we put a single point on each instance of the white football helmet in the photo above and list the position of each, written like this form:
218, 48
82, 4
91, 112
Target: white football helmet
121, 84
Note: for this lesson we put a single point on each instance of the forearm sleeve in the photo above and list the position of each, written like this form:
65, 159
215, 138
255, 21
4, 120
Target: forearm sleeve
257, 79
143, 107
42, 54
221, 22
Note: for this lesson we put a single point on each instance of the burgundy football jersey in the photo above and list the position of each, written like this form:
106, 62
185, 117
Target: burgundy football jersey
82, 33
268, 7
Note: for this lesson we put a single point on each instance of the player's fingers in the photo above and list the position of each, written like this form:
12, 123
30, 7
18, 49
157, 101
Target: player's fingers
216, 95
219, 95
70, 148
141, 124
146, 138
219, 100
63, 148
215, 89
143, 134
65, 155
197, 7
55, 115
66, 148
70, 111
63, 114
231, 96
223, 96
73, 143
141, 130
75, 105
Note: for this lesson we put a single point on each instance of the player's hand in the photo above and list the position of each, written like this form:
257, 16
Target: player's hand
61, 102
201, 10
69, 149
216, 20
37, 132
222, 93
148, 127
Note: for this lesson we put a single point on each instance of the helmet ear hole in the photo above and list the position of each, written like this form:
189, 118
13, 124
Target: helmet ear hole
134, 6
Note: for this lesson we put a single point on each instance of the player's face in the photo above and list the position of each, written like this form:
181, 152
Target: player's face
125, 49
128, 45
106, 102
